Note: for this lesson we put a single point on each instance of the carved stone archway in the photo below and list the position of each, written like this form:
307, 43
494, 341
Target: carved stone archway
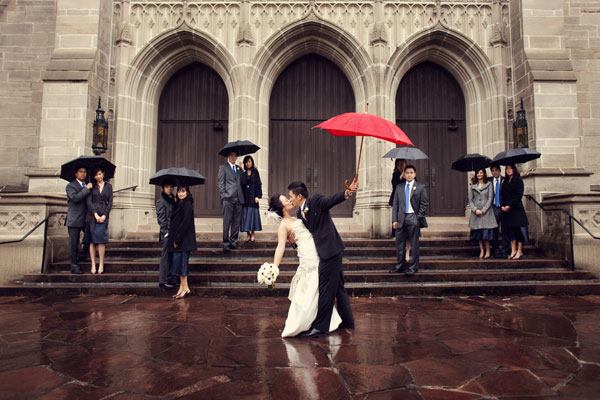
137, 112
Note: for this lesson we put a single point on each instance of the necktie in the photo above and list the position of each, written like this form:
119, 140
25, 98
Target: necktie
233, 168
497, 194
81, 183
407, 197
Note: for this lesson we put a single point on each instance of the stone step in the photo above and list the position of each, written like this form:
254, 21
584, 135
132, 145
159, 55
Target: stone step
384, 276
442, 231
271, 244
475, 288
387, 251
221, 264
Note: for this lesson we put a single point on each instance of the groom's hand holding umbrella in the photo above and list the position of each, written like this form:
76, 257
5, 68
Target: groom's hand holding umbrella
352, 188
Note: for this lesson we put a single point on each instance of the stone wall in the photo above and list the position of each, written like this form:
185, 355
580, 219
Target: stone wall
582, 39
26, 44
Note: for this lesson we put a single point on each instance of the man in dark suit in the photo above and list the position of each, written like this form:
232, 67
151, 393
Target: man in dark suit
232, 198
408, 216
314, 213
499, 246
77, 191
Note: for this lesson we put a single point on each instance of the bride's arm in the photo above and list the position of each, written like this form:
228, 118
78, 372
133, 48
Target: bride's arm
282, 235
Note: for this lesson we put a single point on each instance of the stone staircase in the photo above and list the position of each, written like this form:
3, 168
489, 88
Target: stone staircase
449, 266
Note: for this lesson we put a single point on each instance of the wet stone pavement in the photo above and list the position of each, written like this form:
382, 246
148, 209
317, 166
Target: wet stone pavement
127, 347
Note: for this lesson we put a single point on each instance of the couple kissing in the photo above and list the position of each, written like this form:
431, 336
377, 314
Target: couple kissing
319, 302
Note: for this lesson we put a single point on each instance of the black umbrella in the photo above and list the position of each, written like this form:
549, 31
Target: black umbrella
471, 162
177, 176
406, 153
515, 156
67, 170
241, 147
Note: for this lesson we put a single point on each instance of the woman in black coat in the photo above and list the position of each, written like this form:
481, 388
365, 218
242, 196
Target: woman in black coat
514, 219
99, 203
182, 238
397, 179
252, 188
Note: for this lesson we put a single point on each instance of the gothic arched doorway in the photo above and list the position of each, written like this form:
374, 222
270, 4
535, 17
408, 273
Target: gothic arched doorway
430, 108
310, 90
192, 127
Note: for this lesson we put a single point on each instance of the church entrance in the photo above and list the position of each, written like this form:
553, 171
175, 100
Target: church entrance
310, 90
192, 127
430, 108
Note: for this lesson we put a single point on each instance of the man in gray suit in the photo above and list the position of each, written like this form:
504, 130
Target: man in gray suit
408, 216
77, 191
232, 198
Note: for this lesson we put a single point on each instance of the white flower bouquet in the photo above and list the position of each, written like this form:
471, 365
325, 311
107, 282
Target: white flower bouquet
267, 274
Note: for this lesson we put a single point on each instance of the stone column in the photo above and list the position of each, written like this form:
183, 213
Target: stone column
75, 77
374, 174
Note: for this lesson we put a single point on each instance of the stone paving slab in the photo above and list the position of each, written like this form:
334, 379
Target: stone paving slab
129, 347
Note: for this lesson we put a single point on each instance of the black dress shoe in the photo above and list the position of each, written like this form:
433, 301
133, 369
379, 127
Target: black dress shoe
234, 245
313, 333
76, 271
399, 268
411, 271
166, 286
226, 248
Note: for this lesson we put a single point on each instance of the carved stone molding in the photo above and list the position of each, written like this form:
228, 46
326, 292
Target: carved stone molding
11, 221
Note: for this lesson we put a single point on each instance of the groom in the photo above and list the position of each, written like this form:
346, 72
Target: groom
314, 212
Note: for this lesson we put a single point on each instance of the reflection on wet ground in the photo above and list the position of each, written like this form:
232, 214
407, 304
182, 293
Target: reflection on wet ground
127, 347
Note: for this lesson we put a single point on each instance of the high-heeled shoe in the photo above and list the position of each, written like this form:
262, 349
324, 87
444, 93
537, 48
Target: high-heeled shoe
93, 270
517, 256
512, 256
183, 294
100, 270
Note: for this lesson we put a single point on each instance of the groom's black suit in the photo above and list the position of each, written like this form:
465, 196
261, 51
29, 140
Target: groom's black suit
330, 248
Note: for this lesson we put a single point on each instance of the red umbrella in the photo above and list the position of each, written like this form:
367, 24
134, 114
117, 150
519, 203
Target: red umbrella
359, 124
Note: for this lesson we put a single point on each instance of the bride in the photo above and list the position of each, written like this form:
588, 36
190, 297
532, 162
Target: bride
304, 288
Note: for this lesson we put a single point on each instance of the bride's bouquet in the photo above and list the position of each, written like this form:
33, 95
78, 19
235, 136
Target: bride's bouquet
267, 274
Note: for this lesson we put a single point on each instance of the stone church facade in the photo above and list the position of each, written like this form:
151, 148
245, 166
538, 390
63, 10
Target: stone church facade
58, 56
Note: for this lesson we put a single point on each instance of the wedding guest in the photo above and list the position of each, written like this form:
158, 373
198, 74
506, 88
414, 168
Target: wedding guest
99, 204
499, 244
482, 221
397, 178
77, 193
164, 210
182, 238
514, 219
232, 199
252, 188
408, 215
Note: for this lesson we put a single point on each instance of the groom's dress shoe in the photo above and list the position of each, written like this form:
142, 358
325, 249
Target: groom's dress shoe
411, 271
313, 333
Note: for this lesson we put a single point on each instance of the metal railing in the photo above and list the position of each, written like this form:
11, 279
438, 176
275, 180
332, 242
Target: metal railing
45, 223
571, 220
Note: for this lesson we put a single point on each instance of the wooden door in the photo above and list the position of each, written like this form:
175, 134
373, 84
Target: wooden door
192, 127
309, 91
430, 108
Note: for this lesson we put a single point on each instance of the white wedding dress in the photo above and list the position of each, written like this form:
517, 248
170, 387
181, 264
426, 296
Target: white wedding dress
304, 289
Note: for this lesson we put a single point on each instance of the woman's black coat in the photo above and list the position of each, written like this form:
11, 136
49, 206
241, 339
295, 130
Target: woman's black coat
396, 180
252, 187
511, 194
182, 230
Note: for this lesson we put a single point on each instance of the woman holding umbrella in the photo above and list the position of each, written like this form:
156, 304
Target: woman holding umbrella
252, 188
182, 238
514, 219
482, 221
99, 204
